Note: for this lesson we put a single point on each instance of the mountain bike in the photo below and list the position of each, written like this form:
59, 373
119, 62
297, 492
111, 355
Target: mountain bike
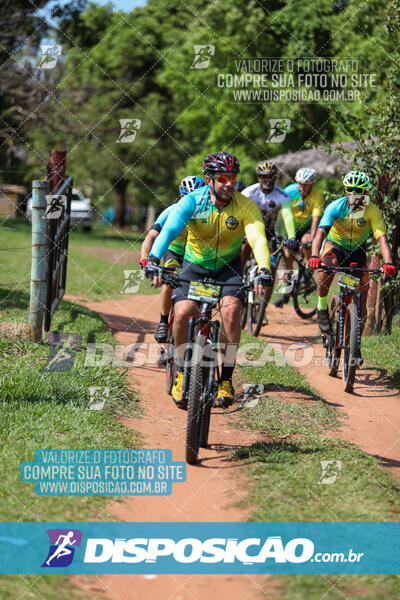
200, 371
300, 285
345, 321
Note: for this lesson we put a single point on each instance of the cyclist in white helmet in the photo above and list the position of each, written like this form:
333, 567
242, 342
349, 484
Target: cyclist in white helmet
174, 255
307, 207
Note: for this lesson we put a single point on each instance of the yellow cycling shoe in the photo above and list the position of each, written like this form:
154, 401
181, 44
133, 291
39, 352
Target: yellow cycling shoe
177, 390
225, 393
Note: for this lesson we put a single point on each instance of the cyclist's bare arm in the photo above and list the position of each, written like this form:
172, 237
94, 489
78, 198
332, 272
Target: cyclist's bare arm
314, 226
147, 244
317, 241
385, 248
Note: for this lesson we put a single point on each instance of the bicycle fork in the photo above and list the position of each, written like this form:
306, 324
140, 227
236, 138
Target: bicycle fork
213, 369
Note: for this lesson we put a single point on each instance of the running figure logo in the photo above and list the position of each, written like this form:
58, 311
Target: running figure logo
55, 205
62, 547
50, 54
329, 471
279, 129
129, 128
202, 55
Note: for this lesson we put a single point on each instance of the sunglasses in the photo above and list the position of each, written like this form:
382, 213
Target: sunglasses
355, 190
225, 179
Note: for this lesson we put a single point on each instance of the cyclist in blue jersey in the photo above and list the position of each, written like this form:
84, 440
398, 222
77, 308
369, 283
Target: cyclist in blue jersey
217, 219
173, 256
345, 227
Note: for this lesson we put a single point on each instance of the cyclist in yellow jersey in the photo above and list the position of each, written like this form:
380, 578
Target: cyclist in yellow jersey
173, 256
217, 219
346, 225
307, 207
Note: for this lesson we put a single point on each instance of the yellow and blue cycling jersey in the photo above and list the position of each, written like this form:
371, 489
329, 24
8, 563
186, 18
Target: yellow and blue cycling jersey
350, 229
304, 210
178, 245
214, 237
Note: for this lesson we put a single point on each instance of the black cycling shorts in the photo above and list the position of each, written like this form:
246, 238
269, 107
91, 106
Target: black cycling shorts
172, 260
231, 273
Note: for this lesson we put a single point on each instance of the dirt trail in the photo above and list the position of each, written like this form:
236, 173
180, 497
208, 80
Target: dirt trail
373, 410
209, 492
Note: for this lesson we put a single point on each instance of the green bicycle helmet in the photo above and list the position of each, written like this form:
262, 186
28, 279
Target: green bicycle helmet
357, 179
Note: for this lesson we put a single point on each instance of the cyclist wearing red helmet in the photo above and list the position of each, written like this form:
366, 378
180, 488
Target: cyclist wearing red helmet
217, 219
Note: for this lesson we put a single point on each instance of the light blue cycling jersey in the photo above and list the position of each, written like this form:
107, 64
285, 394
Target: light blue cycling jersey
214, 237
178, 245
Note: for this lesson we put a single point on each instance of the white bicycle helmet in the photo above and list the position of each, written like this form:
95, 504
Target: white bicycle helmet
306, 175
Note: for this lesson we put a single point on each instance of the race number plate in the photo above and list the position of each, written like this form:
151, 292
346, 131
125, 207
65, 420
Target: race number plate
204, 292
349, 281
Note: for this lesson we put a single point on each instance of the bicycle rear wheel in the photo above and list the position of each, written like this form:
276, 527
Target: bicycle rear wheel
195, 408
303, 290
332, 350
351, 352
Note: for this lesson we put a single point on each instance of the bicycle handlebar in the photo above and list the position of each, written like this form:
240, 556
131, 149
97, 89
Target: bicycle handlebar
331, 269
174, 281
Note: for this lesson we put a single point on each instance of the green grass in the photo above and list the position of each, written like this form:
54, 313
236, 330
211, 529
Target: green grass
49, 409
87, 275
382, 352
283, 471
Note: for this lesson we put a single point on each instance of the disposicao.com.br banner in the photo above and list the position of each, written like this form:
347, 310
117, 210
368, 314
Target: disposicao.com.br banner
213, 548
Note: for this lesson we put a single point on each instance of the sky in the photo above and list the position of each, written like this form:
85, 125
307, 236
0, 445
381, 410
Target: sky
126, 5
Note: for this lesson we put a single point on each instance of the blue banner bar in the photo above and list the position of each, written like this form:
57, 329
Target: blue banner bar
214, 548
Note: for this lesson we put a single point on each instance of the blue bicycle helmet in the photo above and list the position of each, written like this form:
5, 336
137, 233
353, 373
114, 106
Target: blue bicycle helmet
190, 183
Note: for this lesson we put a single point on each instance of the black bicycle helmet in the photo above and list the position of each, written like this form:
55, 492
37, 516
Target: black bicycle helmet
220, 161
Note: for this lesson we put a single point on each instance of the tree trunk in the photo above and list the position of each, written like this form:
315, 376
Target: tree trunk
120, 201
371, 299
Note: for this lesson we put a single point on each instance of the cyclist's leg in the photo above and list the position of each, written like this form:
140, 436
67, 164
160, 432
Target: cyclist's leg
306, 238
330, 258
359, 256
231, 304
172, 261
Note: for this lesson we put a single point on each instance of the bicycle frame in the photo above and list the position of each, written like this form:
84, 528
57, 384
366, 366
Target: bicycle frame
345, 294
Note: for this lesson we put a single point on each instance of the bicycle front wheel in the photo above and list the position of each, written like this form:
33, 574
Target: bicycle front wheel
351, 351
170, 368
195, 408
333, 350
260, 313
304, 294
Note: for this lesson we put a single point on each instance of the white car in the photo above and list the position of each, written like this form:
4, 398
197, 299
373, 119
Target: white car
81, 210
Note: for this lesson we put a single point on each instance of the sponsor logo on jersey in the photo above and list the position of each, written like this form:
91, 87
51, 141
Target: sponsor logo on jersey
231, 222
361, 221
